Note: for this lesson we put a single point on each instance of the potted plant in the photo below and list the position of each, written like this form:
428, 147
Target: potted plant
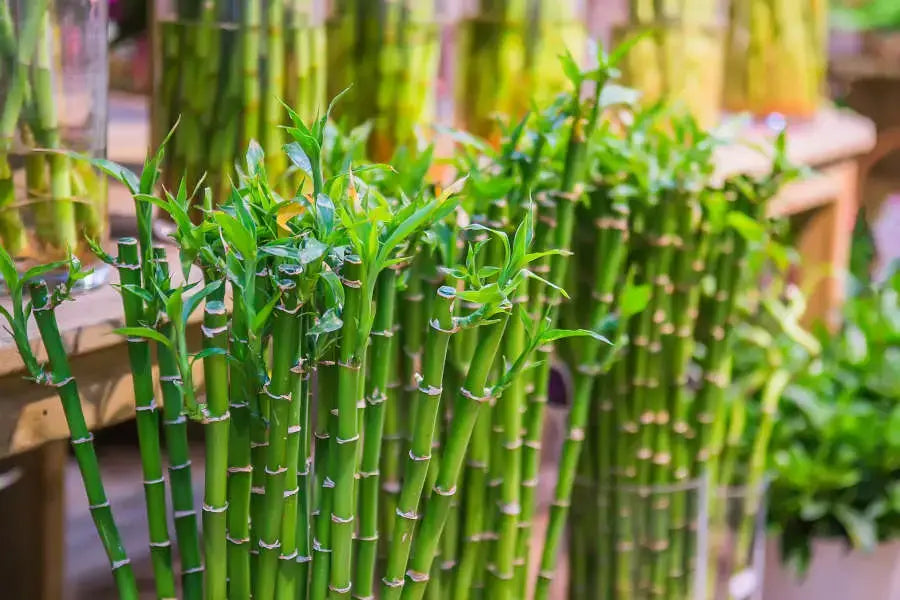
835, 496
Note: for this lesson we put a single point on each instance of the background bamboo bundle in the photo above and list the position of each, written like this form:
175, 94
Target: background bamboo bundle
53, 90
222, 70
680, 56
506, 56
776, 57
388, 51
658, 411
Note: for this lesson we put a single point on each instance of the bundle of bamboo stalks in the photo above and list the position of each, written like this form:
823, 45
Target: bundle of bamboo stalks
506, 57
356, 359
47, 203
388, 51
679, 57
222, 70
654, 423
776, 56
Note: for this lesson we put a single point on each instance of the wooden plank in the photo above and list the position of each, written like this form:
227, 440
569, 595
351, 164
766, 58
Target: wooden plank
32, 524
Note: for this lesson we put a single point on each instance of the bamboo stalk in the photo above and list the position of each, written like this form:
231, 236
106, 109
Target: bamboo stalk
82, 440
175, 430
147, 421
376, 397
216, 426
437, 507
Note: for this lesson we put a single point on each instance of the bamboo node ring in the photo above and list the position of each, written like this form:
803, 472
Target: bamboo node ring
417, 577
348, 440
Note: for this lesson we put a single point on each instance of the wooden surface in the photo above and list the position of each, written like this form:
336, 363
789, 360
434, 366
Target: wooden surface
32, 517
29, 414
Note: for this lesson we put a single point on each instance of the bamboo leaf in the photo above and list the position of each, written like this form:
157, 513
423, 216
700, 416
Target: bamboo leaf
116, 171
144, 333
191, 305
298, 157
255, 159
150, 173
41, 270
137, 291
8, 270
236, 235
748, 228
552, 335
262, 315
99, 252
327, 323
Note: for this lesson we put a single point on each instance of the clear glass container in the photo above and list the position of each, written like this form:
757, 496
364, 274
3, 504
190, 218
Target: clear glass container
738, 542
776, 59
221, 71
642, 542
506, 55
388, 53
53, 79
679, 57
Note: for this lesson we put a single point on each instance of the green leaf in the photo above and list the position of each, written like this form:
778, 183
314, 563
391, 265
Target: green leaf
749, 229
191, 305
144, 333
571, 69
150, 173
8, 270
327, 323
298, 157
41, 270
489, 294
114, 170
236, 235
207, 352
262, 315
551, 335
634, 299
138, 291
860, 528
255, 158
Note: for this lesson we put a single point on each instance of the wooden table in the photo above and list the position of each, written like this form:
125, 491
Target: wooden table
30, 415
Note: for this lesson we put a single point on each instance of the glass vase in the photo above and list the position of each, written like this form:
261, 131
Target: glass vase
738, 541
641, 542
221, 72
387, 52
506, 55
776, 57
678, 57
53, 79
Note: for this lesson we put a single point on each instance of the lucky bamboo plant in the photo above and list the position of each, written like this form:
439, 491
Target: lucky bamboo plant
655, 424
47, 203
298, 299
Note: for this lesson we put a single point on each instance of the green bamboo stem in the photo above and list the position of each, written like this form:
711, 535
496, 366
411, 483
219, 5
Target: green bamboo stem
216, 426
289, 581
611, 253
304, 471
175, 429
82, 440
376, 397
279, 390
441, 327
259, 443
240, 467
250, 49
325, 463
771, 396
437, 507
147, 422
270, 136
347, 438
474, 506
